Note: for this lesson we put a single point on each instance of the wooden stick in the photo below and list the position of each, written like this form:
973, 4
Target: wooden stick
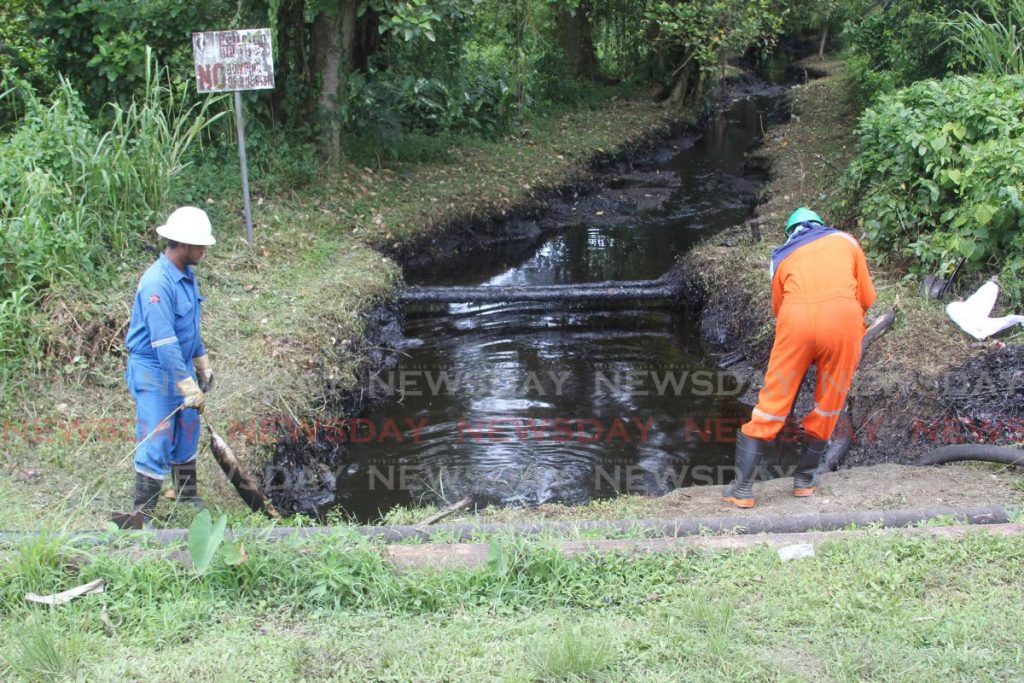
239, 477
441, 514
842, 442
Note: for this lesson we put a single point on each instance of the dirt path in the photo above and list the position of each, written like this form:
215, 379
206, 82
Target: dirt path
881, 487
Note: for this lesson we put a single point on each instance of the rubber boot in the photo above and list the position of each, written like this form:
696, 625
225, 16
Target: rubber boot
147, 491
811, 452
748, 455
185, 488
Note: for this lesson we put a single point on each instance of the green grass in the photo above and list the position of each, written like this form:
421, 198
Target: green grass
35, 655
573, 652
877, 608
992, 42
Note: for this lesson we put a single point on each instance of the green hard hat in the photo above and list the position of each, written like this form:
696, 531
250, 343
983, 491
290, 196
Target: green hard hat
802, 215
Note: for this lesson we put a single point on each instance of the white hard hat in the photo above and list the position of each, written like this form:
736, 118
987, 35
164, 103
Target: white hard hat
188, 225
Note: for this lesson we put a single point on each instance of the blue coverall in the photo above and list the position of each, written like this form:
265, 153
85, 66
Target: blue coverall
163, 338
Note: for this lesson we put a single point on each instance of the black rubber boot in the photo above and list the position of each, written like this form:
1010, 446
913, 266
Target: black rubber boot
147, 491
811, 452
185, 488
748, 455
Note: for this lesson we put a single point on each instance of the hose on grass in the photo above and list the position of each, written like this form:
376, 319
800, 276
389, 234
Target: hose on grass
978, 452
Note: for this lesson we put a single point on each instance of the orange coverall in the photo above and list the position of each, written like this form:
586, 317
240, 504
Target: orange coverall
820, 293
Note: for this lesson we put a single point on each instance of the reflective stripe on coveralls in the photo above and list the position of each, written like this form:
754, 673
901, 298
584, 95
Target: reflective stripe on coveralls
163, 338
820, 293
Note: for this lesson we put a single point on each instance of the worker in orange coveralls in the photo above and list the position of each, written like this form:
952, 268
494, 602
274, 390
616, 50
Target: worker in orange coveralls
821, 290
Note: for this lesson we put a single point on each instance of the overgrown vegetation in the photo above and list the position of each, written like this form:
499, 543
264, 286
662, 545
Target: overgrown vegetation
333, 609
991, 41
938, 178
102, 46
893, 44
74, 199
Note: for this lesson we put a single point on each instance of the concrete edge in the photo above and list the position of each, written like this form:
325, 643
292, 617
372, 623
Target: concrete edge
474, 555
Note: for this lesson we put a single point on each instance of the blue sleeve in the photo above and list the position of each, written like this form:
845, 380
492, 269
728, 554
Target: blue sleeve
200, 347
158, 316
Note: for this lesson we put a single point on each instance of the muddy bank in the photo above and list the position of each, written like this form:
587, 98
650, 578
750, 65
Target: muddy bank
921, 386
587, 198
878, 487
302, 467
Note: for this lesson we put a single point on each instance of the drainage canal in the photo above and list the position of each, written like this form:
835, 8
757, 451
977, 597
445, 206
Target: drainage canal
535, 402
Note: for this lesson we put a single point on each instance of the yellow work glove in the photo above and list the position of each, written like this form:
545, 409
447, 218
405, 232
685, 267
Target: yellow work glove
204, 372
194, 396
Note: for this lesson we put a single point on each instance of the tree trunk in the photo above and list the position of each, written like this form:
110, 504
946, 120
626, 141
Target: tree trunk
577, 40
680, 88
333, 56
327, 58
290, 58
824, 42
349, 17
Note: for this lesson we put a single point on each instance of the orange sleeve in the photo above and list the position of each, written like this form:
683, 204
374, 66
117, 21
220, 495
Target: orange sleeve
866, 294
776, 294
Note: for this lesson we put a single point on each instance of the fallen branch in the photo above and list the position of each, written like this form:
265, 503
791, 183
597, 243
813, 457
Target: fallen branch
67, 596
239, 477
441, 514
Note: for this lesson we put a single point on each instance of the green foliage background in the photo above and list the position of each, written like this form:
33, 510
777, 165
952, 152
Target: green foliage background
941, 176
74, 196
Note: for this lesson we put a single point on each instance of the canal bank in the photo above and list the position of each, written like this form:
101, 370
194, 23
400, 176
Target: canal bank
548, 402
922, 385
729, 333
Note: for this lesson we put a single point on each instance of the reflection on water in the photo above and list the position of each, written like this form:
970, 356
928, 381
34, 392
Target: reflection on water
529, 403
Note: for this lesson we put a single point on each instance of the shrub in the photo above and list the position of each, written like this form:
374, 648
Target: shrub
101, 45
940, 176
894, 44
21, 52
73, 199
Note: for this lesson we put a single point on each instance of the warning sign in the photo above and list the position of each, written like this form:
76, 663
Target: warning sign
233, 60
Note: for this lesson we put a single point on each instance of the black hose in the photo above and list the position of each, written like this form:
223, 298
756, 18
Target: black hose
959, 452
648, 528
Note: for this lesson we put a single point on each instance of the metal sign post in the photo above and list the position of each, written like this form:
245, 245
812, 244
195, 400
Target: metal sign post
233, 61
246, 202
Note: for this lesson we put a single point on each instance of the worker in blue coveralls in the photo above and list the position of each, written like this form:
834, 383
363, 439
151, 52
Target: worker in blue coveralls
168, 368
